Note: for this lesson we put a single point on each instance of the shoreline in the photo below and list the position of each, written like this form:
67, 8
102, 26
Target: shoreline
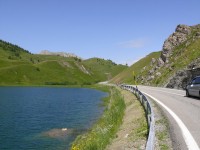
106, 127
42, 85
92, 86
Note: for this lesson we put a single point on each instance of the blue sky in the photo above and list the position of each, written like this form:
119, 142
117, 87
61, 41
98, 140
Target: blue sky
120, 30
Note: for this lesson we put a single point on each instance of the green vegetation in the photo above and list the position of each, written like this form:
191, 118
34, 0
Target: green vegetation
162, 135
19, 67
126, 76
12, 48
141, 130
105, 129
103, 69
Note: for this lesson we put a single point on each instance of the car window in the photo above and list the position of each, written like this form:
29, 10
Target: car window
193, 81
197, 80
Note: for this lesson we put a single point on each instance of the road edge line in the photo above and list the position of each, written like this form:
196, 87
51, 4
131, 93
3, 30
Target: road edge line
189, 140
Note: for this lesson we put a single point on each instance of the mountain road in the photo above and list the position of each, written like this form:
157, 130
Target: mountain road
182, 112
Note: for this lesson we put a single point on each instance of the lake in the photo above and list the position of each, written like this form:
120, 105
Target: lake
46, 118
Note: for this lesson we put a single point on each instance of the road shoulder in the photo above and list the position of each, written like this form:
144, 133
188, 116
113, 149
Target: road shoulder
162, 129
133, 131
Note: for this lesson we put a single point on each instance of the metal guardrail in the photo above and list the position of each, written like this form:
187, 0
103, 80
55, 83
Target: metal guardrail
149, 113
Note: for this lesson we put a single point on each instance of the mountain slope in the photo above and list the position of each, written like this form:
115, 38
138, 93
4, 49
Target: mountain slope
103, 69
180, 53
126, 76
180, 50
20, 67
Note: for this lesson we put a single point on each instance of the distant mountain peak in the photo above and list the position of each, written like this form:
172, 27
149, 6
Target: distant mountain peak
63, 54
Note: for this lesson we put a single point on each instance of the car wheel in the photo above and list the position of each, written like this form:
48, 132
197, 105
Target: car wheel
187, 93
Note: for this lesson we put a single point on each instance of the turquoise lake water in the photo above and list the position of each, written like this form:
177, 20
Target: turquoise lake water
40, 118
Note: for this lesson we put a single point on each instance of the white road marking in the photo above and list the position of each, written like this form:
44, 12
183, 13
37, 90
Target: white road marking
189, 140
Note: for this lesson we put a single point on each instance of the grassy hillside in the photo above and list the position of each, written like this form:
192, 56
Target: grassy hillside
126, 76
20, 67
103, 69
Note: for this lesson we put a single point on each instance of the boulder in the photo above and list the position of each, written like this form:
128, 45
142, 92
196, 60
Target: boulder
158, 74
151, 72
149, 78
143, 69
153, 60
160, 62
198, 34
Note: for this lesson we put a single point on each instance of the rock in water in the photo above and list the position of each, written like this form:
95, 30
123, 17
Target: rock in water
58, 133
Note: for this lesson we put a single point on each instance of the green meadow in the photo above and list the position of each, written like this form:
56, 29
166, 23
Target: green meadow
20, 67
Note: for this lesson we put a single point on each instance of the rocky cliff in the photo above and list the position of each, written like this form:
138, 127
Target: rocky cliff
177, 38
180, 54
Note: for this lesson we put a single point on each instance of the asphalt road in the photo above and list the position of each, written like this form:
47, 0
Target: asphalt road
186, 109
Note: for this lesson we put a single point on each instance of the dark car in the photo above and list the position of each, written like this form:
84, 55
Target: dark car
193, 88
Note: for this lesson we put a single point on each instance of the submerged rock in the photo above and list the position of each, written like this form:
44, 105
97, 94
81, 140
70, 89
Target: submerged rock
62, 133
58, 133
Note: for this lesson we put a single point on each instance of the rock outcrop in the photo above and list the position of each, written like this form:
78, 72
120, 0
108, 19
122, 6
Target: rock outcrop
179, 80
63, 54
183, 36
183, 77
153, 60
177, 38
